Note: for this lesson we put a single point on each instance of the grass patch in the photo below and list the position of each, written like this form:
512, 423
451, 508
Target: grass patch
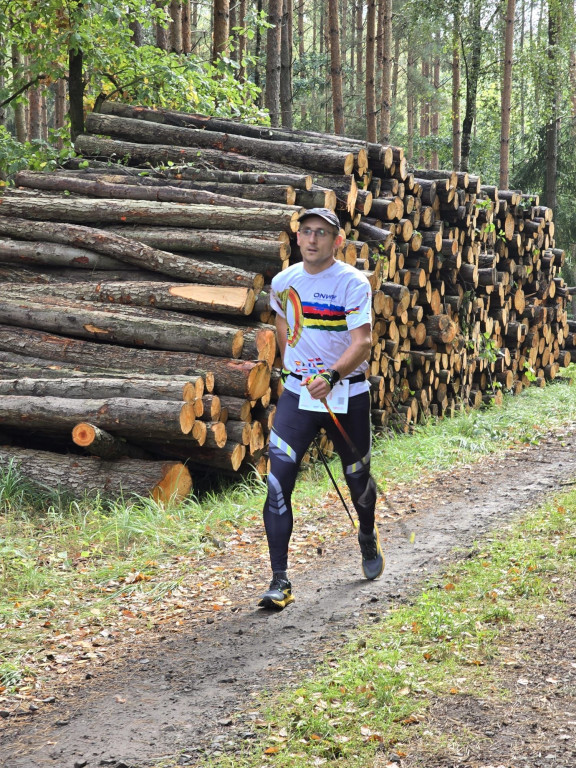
370, 695
63, 559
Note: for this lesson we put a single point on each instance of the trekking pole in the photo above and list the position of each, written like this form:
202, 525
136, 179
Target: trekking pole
334, 483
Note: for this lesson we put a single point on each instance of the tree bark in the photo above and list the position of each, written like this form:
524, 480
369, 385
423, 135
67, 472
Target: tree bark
186, 26
160, 194
60, 109
387, 60
232, 127
242, 243
472, 77
76, 91
164, 481
456, 134
506, 96
286, 64
180, 297
122, 248
51, 254
19, 112
312, 156
434, 117
336, 68
86, 387
273, 60
100, 443
424, 112
239, 378
159, 154
134, 418
34, 117
371, 134
221, 29
359, 72
187, 177
410, 102
14, 366
130, 325
176, 26
552, 126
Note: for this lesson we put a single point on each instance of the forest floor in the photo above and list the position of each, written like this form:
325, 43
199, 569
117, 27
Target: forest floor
185, 683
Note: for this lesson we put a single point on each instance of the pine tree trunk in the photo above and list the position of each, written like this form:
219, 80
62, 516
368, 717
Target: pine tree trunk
221, 28
472, 78
359, 71
60, 109
552, 126
176, 26
410, 103
386, 114
371, 134
506, 96
336, 68
424, 113
76, 92
19, 111
286, 65
186, 26
161, 32
456, 133
273, 60
434, 118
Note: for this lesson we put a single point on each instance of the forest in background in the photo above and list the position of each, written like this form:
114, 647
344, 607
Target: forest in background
475, 85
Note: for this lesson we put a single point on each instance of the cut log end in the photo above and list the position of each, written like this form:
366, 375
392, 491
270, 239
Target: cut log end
175, 485
84, 434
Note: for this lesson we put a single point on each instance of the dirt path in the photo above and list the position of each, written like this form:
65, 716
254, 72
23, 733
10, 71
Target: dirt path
192, 693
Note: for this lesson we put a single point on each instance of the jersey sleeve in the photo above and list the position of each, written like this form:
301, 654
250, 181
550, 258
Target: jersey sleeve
358, 306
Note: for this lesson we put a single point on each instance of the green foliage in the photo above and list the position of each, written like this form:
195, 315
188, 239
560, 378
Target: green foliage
35, 155
113, 66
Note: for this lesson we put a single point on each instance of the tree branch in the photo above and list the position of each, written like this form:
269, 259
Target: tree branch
37, 79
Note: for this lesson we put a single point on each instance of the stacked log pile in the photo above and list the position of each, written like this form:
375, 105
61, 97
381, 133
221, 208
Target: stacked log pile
134, 319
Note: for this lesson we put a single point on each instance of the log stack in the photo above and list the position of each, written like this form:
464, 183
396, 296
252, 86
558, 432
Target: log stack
134, 315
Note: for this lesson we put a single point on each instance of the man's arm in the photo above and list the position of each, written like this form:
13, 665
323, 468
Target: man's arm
356, 353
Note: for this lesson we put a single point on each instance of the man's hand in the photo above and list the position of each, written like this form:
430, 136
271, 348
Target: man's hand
318, 386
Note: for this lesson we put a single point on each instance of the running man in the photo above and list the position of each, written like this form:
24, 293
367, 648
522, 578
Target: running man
323, 324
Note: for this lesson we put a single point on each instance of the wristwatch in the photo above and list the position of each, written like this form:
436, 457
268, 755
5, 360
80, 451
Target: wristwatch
333, 377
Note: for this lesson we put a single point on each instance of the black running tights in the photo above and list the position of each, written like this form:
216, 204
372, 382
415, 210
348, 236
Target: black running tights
291, 435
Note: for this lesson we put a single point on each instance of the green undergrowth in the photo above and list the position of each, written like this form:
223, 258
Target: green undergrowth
59, 556
371, 697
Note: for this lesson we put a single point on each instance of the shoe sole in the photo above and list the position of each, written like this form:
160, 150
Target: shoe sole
269, 602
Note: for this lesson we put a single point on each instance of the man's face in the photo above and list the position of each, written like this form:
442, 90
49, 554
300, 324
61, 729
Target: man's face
317, 240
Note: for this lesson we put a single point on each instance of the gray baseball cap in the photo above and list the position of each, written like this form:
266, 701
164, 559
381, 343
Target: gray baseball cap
324, 213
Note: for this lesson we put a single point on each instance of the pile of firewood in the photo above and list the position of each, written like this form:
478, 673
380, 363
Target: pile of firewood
134, 319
